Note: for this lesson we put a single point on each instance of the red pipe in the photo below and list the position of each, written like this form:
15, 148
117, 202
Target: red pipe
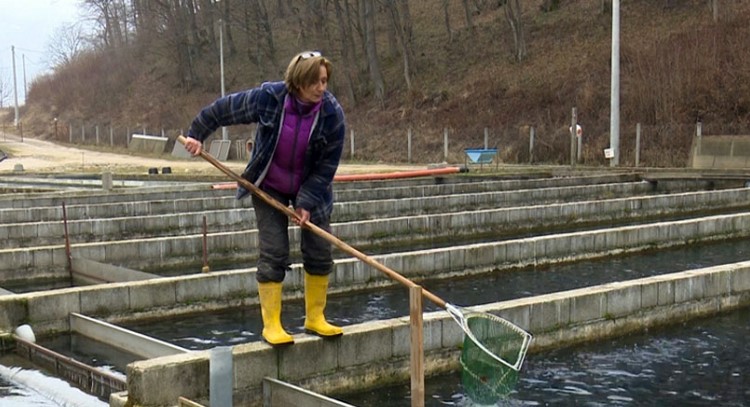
396, 175
373, 176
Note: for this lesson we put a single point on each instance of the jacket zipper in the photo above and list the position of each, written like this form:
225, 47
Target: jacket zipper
294, 153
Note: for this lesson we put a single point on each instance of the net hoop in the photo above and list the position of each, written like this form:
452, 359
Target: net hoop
460, 318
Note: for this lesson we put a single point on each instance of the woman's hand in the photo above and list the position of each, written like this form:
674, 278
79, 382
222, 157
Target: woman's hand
193, 146
303, 215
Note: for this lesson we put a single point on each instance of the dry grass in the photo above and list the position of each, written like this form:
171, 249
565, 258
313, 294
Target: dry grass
677, 65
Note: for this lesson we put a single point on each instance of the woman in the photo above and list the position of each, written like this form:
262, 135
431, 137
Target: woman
298, 145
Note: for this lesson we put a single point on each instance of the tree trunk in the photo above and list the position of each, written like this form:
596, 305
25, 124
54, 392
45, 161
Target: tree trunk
368, 17
467, 14
446, 3
227, 17
400, 18
345, 37
513, 16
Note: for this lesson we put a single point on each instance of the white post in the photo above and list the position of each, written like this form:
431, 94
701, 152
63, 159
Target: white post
486, 138
111, 136
70, 133
699, 134
408, 144
97, 134
614, 121
351, 143
445, 144
532, 132
637, 144
573, 122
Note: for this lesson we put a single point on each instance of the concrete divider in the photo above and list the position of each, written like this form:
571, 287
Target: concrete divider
165, 296
92, 272
183, 251
89, 223
376, 354
118, 337
55, 199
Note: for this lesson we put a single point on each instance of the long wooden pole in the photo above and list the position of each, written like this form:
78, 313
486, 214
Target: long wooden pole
314, 228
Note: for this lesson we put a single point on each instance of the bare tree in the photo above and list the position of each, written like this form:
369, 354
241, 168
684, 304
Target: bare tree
446, 4
112, 18
261, 47
226, 16
316, 20
467, 14
513, 17
346, 38
5, 90
401, 19
367, 10
714, 6
66, 44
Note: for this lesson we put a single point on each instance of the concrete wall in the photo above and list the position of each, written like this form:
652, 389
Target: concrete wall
721, 152
178, 247
377, 353
161, 297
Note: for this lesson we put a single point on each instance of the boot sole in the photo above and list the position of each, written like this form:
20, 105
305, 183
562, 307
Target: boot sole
311, 332
279, 345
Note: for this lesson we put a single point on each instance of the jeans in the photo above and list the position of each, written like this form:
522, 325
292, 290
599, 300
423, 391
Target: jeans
273, 242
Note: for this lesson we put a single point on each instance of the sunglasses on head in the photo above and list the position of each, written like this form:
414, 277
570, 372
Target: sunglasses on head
308, 55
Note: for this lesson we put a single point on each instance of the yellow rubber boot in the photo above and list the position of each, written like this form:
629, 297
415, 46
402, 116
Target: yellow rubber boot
270, 311
316, 290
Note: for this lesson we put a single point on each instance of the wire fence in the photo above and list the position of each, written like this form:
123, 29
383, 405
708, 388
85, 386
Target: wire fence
667, 145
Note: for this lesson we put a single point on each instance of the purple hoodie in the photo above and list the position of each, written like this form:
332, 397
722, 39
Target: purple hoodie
298, 120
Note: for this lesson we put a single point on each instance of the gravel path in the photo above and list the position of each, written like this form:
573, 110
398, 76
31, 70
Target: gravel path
39, 156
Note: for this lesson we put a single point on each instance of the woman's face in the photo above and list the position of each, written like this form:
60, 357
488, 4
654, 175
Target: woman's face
314, 93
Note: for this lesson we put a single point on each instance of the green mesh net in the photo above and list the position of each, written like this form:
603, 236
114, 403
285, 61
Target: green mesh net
492, 355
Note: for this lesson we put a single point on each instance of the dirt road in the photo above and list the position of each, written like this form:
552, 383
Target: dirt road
38, 156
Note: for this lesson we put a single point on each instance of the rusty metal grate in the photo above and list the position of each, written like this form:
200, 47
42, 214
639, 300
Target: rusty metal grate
87, 378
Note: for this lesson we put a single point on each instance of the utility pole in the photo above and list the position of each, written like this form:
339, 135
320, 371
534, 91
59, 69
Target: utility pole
15, 87
614, 114
224, 135
23, 60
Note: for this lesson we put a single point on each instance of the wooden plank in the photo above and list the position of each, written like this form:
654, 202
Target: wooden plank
417, 346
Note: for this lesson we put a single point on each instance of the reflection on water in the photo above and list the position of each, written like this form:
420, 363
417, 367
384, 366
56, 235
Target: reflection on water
230, 327
702, 363
694, 365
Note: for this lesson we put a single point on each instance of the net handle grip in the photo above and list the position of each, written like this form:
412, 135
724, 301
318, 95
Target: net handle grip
314, 228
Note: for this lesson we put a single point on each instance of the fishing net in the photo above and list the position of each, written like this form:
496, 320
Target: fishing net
492, 355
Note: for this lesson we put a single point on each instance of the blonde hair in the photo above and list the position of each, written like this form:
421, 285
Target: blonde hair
304, 70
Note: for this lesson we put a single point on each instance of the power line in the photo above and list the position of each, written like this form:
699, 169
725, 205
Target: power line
30, 50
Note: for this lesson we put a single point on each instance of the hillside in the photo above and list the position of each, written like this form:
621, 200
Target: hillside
678, 65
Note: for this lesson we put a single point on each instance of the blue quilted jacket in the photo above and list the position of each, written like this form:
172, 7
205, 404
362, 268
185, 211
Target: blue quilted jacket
264, 105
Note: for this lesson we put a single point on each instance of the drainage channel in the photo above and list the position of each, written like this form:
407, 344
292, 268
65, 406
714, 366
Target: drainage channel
241, 325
